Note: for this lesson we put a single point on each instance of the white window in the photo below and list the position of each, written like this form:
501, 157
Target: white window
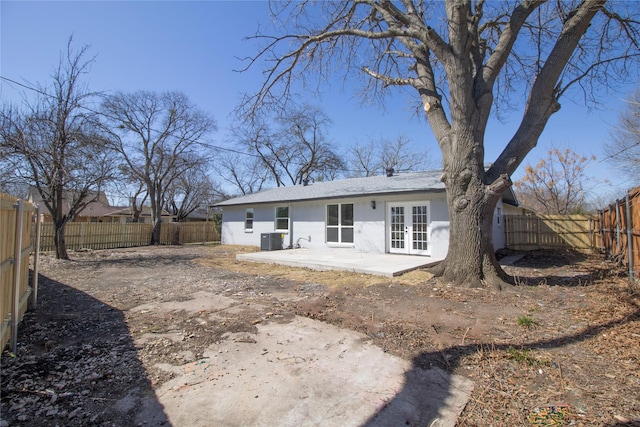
248, 220
340, 223
282, 218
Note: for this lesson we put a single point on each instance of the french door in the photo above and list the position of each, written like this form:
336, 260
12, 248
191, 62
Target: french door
408, 228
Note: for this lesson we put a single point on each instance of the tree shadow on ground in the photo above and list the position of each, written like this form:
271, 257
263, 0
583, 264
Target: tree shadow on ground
556, 280
543, 258
76, 365
417, 405
136, 260
566, 268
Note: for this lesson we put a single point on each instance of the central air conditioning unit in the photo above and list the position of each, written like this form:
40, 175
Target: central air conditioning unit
271, 241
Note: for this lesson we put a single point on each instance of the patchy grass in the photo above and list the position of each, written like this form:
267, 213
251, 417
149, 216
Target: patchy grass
523, 356
526, 322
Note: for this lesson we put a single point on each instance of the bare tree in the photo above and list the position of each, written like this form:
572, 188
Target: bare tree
623, 149
558, 184
463, 59
54, 143
10, 182
159, 138
378, 156
244, 173
136, 191
190, 192
294, 148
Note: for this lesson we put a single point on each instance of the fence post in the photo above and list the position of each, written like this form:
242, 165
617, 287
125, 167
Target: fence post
617, 217
601, 231
629, 226
610, 225
16, 277
36, 257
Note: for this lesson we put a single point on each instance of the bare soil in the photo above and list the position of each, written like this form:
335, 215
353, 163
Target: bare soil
560, 348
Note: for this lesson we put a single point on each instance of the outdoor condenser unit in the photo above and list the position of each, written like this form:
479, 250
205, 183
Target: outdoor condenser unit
271, 241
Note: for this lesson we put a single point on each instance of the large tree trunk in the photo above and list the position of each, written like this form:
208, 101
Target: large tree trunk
155, 234
59, 240
156, 212
471, 259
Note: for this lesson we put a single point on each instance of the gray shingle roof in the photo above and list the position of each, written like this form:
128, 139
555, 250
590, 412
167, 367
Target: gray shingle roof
427, 181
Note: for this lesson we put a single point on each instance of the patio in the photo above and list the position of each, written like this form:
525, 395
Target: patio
388, 265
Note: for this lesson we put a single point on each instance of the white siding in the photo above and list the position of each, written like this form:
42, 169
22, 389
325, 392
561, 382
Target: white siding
498, 226
307, 223
439, 227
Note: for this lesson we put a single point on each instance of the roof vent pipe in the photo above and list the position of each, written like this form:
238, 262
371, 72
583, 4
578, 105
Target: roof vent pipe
390, 172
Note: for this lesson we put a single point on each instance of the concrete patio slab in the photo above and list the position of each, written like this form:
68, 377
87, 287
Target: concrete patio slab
306, 373
388, 265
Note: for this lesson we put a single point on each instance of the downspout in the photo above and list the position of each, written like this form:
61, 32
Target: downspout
629, 236
290, 226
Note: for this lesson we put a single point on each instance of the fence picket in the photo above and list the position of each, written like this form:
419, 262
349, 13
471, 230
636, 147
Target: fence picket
16, 245
527, 232
106, 235
620, 231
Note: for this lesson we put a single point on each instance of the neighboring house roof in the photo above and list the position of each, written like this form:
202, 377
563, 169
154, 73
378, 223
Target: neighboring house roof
100, 197
128, 211
413, 182
199, 214
98, 207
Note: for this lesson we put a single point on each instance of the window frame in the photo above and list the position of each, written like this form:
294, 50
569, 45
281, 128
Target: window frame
340, 225
281, 218
248, 229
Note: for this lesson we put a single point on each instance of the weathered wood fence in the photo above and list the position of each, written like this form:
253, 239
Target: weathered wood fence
109, 235
620, 231
528, 232
18, 240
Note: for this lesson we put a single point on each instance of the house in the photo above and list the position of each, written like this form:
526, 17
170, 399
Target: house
98, 210
400, 214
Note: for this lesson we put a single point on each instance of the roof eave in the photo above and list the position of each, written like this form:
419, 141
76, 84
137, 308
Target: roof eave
309, 199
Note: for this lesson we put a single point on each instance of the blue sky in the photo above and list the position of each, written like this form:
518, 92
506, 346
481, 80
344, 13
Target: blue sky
194, 47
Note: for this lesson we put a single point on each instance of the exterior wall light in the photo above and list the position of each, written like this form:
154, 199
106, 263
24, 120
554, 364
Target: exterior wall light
373, 204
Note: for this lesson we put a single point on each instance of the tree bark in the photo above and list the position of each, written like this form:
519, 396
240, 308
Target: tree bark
471, 202
156, 212
471, 260
155, 234
59, 240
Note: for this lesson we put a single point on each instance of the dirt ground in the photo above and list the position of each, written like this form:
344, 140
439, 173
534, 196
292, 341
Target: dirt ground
560, 348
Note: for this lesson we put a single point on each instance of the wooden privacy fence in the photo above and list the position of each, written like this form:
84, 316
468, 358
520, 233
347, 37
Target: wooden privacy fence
620, 231
18, 239
528, 232
109, 235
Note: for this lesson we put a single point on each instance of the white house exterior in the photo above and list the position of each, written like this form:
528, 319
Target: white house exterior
401, 214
